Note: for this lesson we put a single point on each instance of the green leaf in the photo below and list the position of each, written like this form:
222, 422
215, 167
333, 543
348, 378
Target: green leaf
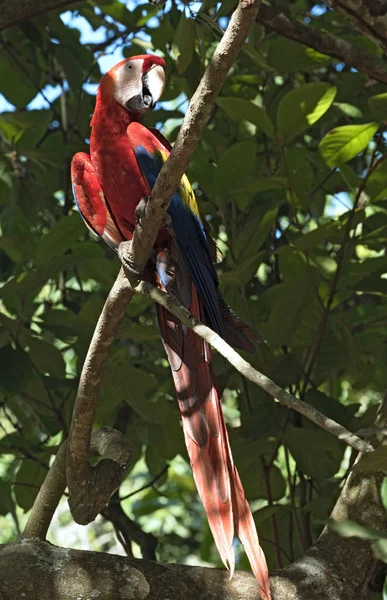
378, 106
342, 144
137, 387
255, 231
6, 502
316, 453
307, 241
302, 107
15, 370
60, 238
234, 166
29, 478
286, 56
239, 109
376, 185
16, 87
373, 461
383, 492
44, 356
183, 44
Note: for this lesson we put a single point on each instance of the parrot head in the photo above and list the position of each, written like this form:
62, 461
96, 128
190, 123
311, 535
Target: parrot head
136, 83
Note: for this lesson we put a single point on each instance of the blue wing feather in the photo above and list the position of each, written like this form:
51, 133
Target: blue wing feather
191, 240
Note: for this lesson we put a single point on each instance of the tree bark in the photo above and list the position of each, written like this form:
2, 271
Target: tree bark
15, 11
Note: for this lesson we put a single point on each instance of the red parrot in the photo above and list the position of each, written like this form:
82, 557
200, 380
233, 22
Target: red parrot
125, 159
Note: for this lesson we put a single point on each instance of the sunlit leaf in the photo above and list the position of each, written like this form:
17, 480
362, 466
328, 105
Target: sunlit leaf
344, 143
302, 107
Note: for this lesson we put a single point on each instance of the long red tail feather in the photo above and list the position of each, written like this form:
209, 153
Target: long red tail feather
206, 438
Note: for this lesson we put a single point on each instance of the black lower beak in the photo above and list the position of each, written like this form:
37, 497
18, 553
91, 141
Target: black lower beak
142, 102
147, 97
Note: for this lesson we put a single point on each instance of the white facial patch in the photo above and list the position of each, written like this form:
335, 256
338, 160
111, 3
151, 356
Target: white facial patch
128, 81
156, 82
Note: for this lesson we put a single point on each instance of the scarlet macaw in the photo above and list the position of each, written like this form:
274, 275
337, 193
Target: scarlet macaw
125, 159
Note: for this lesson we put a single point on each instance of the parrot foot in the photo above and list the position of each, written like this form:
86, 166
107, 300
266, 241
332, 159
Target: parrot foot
141, 210
125, 255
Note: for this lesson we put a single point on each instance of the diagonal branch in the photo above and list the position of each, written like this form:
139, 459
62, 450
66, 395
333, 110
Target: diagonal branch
323, 42
173, 305
368, 16
81, 477
15, 11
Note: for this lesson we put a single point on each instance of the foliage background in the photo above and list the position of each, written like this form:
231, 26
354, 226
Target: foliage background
277, 176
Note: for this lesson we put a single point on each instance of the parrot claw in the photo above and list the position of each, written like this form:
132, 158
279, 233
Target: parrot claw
141, 209
125, 255
167, 221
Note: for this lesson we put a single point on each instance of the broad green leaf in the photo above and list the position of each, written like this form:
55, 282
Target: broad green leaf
29, 478
234, 166
302, 107
307, 241
287, 302
376, 185
15, 370
342, 144
16, 87
286, 56
373, 461
262, 185
60, 238
183, 44
315, 452
44, 356
378, 106
239, 108
6, 502
138, 388
255, 231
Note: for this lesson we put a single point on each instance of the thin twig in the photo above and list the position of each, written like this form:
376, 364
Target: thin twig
173, 305
146, 485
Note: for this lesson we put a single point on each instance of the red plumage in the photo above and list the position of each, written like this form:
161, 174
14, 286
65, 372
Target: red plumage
108, 187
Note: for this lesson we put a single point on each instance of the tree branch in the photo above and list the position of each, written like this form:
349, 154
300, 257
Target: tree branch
15, 11
368, 16
323, 42
81, 477
173, 305
105, 442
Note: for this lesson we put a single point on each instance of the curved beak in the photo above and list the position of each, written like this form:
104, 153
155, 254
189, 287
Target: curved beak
152, 84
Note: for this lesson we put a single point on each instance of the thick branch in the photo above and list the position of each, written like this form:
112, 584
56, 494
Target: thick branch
368, 16
81, 477
15, 11
323, 42
173, 305
105, 442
